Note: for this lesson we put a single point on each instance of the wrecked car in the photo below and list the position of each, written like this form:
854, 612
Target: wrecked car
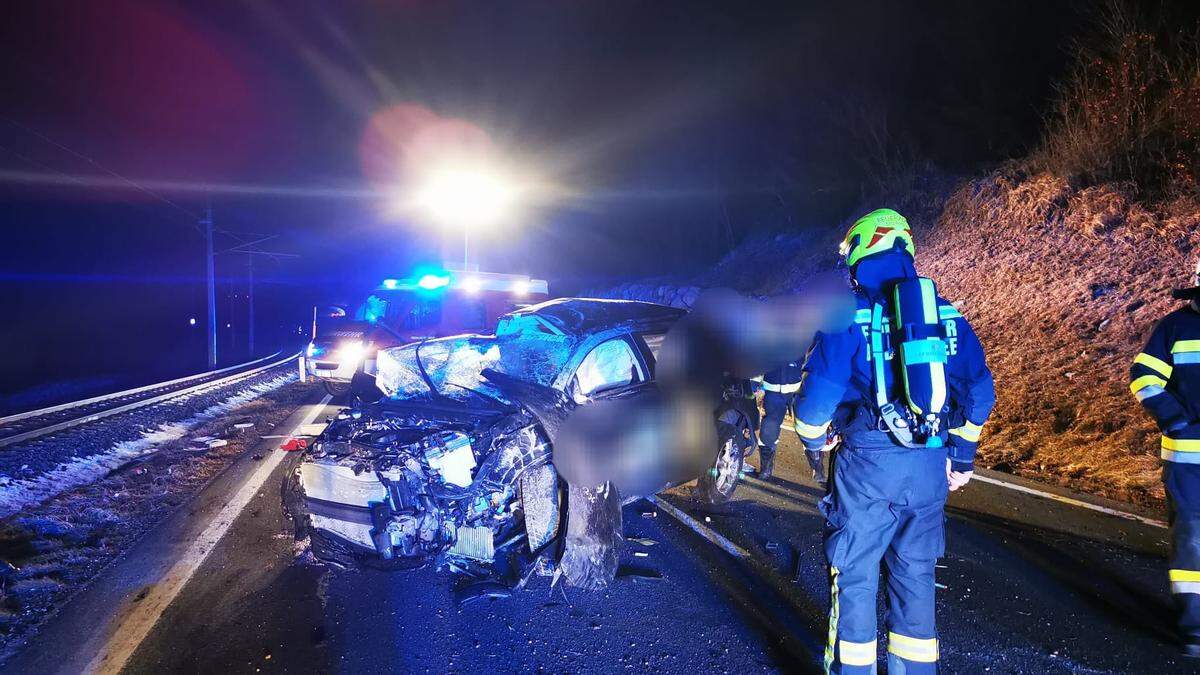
455, 466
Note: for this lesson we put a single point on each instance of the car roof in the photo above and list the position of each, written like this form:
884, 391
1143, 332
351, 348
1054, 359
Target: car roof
581, 316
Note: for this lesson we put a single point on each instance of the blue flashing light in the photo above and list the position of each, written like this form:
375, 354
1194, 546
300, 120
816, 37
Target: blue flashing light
390, 284
433, 281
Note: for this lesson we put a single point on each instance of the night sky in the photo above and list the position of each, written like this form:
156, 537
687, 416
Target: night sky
123, 120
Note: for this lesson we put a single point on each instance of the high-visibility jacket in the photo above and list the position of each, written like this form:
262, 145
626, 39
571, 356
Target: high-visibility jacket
784, 380
1165, 377
838, 388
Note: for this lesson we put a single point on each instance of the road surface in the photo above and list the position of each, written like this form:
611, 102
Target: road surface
1031, 585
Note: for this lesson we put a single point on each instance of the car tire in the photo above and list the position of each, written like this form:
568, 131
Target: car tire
336, 388
716, 486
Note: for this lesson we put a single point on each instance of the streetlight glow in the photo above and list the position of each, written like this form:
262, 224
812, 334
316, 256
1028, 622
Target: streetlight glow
466, 197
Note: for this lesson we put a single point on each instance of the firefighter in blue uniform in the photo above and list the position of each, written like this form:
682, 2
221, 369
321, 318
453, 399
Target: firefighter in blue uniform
1165, 377
898, 458
779, 394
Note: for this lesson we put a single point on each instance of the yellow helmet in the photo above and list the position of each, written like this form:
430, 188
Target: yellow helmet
876, 232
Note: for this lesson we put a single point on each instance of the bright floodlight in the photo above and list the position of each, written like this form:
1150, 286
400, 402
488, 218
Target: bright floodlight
520, 287
472, 284
466, 197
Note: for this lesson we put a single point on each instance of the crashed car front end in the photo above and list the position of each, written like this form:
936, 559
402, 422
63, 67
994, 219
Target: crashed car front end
415, 490
446, 470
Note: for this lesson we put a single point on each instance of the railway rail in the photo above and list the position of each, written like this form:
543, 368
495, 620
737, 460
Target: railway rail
34, 424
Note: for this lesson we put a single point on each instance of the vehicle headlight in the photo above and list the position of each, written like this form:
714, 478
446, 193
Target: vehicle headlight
312, 350
350, 350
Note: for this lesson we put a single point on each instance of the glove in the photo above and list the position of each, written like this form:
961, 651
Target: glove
957, 479
815, 463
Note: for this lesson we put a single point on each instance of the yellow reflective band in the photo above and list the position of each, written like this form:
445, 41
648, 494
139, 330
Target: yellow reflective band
862, 316
1157, 365
1146, 381
811, 431
834, 610
948, 312
1185, 346
857, 653
781, 388
1181, 444
1184, 575
968, 431
913, 649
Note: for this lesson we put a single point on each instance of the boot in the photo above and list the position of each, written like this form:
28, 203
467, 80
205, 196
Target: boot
766, 463
1191, 648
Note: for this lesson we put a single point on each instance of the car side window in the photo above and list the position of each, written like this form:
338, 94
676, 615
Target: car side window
610, 365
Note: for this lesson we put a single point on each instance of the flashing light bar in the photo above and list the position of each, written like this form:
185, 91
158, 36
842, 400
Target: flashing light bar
433, 281
470, 282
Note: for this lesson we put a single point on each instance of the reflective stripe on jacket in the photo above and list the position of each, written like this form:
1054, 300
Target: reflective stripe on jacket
1165, 377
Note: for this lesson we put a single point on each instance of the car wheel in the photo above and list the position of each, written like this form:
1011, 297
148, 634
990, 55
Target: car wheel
717, 484
336, 388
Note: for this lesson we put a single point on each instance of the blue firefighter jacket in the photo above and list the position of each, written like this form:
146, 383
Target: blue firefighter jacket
785, 379
1165, 377
837, 389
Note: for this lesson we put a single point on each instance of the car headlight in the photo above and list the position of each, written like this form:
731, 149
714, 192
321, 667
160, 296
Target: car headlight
350, 350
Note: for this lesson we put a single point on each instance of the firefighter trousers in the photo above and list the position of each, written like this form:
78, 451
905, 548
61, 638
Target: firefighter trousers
885, 504
775, 407
1183, 510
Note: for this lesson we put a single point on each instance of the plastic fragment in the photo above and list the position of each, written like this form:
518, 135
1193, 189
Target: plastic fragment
294, 444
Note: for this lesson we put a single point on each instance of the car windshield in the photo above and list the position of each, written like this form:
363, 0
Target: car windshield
455, 365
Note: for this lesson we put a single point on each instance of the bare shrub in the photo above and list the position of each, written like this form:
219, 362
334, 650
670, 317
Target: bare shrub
1130, 108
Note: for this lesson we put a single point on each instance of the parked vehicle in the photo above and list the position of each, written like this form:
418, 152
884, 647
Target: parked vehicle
456, 465
437, 303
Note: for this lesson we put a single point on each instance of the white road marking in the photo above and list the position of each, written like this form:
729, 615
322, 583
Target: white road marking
1058, 498
142, 616
1069, 500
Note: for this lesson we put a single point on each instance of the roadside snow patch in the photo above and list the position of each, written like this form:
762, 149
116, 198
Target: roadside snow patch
17, 493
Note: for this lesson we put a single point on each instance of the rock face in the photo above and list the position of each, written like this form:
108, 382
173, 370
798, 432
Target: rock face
675, 295
1063, 285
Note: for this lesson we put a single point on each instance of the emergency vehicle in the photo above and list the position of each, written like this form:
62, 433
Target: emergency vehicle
432, 304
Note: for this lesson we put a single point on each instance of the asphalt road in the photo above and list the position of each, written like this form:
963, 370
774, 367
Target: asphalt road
1031, 585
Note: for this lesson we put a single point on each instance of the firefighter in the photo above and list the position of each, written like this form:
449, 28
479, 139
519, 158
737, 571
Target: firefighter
896, 462
1166, 381
779, 394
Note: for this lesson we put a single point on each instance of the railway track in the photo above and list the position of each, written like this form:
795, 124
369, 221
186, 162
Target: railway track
34, 424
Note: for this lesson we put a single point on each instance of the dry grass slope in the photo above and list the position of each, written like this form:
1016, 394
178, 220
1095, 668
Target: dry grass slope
1063, 286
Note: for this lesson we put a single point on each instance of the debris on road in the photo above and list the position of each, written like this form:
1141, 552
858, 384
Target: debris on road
641, 541
481, 590
218, 443
294, 444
